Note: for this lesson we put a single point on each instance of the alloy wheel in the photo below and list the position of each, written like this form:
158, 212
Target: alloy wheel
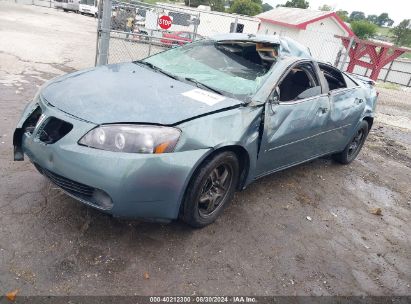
356, 143
215, 190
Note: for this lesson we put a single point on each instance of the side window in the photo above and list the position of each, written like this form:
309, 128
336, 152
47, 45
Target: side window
300, 83
334, 77
350, 83
239, 29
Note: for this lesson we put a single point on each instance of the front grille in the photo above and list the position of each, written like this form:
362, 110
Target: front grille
69, 185
86, 194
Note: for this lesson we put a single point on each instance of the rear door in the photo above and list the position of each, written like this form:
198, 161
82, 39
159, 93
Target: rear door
296, 119
347, 103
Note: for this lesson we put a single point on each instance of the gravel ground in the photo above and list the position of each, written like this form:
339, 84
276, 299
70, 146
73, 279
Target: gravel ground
263, 244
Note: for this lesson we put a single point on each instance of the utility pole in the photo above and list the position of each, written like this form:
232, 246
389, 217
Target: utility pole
104, 33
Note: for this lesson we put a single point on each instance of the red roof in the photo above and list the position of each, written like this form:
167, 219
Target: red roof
299, 18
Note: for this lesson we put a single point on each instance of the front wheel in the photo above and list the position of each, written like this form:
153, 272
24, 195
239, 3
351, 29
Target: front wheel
211, 189
354, 146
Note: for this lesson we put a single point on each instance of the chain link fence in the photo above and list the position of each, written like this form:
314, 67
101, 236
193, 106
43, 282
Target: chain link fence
139, 29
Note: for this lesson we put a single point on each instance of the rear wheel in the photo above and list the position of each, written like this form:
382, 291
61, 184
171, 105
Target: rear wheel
211, 189
354, 146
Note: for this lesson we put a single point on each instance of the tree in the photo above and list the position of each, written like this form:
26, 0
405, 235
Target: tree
217, 5
343, 15
363, 29
196, 3
245, 7
402, 33
259, 2
266, 7
325, 8
383, 19
297, 3
372, 18
357, 15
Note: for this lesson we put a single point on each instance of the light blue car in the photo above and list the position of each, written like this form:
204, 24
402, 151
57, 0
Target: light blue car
175, 135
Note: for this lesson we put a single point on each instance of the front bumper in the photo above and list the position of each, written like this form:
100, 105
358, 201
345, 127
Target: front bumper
138, 185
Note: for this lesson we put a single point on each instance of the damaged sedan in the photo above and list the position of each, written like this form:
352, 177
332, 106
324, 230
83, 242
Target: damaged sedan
176, 134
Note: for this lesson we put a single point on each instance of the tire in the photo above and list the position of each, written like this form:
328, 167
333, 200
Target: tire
210, 189
354, 146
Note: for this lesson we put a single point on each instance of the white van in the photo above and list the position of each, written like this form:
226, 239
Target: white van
67, 5
89, 7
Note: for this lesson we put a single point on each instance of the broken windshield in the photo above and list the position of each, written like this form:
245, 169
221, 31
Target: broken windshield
233, 68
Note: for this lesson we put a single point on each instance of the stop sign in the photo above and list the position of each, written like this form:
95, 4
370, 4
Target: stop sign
164, 22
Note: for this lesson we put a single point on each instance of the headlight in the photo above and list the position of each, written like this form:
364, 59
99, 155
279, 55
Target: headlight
132, 138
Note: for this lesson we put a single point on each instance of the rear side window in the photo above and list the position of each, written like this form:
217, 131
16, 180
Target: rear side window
350, 83
334, 77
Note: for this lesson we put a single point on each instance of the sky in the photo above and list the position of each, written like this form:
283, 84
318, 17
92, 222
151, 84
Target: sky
397, 10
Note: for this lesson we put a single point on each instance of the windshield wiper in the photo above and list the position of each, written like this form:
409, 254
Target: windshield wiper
157, 69
198, 84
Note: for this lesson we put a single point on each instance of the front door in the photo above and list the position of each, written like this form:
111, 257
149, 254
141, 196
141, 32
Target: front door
295, 121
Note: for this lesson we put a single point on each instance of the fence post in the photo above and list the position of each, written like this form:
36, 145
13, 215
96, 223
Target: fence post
196, 27
388, 70
100, 13
150, 41
347, 52
338, 58
104, 37
235, 25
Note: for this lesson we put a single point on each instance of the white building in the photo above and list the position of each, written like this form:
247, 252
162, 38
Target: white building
314, 29
212, 23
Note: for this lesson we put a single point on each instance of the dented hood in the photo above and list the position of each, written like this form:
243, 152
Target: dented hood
129, 93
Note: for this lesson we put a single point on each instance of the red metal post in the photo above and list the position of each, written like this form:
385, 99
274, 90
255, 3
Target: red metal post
380, 54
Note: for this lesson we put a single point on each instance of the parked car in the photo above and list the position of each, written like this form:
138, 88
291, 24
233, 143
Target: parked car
179, 38
67, 5
176, 134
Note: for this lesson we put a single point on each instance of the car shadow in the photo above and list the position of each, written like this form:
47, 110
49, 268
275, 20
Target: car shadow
88, 219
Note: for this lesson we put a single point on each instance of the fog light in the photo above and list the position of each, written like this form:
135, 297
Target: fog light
102, 199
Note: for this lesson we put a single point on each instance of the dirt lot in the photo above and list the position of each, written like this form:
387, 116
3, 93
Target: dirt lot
262, 245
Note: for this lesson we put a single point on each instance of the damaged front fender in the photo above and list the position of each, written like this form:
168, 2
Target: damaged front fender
236, 127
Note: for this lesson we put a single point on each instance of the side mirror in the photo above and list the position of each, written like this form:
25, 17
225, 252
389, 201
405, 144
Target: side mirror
274, 100
275, 97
